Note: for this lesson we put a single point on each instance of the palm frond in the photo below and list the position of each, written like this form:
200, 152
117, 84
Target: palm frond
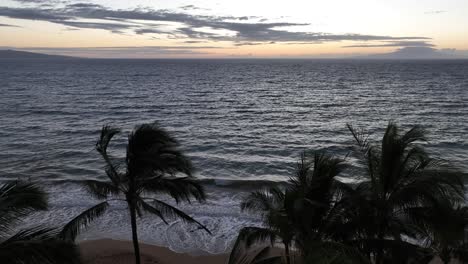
99, 189
429, 187
73, 228
361, 138
263, 255
151, 148
18, 199
38, 246
253, 235
179, 188
169, 211
416, 133
107, 133
150, 209
263, 201
243, 253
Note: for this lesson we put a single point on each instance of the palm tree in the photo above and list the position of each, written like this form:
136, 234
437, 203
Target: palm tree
315, 208
153, 165
33, 245
271, 204
305, 215
399, 178
445, 231
244, 253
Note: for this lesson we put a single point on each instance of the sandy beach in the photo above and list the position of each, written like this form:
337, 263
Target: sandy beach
108, 251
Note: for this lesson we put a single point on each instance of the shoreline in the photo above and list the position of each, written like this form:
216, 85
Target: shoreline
111, 251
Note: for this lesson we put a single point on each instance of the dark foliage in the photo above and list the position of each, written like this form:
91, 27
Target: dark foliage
153, 165
38, 245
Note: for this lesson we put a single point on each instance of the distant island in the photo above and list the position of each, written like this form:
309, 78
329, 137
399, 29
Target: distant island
15, 54
419, 53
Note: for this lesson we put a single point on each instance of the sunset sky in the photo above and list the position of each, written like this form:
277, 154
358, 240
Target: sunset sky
215, 28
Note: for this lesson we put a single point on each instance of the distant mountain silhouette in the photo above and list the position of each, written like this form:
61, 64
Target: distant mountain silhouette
414, 53
15, 54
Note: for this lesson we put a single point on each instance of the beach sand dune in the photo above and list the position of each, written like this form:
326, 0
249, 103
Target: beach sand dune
108, 251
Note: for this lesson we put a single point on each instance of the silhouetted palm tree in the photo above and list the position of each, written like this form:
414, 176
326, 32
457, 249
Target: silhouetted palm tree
271, 204
153, 165
34, 245
445, 231
399, 179
243, 253
305, 215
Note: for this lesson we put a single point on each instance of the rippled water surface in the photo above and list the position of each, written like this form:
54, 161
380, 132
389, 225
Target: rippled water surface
240, 120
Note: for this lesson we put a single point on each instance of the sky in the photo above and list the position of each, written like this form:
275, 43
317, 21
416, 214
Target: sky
232, 29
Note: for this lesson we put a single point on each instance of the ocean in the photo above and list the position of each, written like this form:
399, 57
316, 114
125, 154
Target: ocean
244, 123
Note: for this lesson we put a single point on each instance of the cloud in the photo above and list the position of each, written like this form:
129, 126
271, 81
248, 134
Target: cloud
436, 12
141, 31
125, 52
38, 1
406, 43
194, 41
33, 14
199, 27
113, 27
192, 7
252, 43
7, 25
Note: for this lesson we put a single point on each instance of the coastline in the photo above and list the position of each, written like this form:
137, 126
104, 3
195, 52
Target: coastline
110, 251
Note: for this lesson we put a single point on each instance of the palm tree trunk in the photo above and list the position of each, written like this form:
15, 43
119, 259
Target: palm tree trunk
286, 251
136, 246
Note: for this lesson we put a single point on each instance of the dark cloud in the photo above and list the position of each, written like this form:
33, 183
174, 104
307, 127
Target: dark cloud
7, 25
141, 31
113, 27
194, 41
191, 7
38, 1
123, 48
406, 43
33, 14
124, 52
248, 44
191, 26
252, 43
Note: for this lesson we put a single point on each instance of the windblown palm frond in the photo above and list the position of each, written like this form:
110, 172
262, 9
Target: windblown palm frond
107, 133
38, 246
101, 190
153, 149
400, 177
154, 164
444, 229
253, 235
304, 213
243, 253
167, 211
179, 188
263, 201
17, 200
70, 231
